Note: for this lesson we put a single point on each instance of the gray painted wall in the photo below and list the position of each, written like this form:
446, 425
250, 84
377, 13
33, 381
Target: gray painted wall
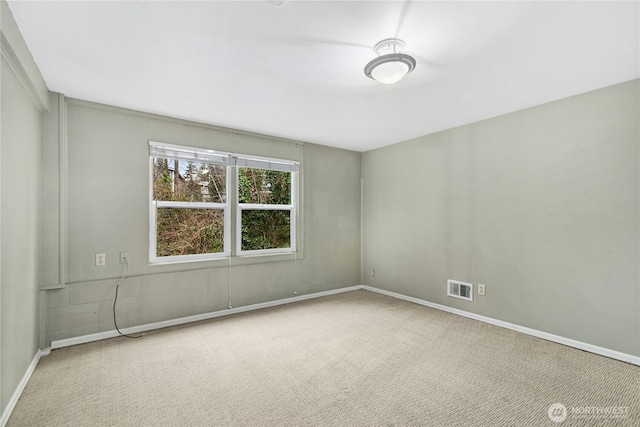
107, 211
21, 90
541, 205
20, 179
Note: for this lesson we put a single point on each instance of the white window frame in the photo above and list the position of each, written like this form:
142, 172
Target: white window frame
159, 204
240, 207
233, 162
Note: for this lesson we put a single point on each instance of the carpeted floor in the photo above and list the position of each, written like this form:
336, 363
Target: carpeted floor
352, 359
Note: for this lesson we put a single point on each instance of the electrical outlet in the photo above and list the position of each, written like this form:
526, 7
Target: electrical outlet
124, 257
101, 260
480, 289
373, 273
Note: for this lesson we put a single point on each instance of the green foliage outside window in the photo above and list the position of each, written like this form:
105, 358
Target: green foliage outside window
184, 231
263, 186
265, 229
187, 230
180, 181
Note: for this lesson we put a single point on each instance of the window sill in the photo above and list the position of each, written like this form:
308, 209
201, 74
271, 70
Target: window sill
245, 259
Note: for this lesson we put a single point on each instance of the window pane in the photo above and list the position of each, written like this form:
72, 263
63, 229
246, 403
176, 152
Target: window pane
189, 231
265, 229
264, 186
193, 181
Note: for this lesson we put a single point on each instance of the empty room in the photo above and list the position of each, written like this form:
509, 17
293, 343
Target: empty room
320, 213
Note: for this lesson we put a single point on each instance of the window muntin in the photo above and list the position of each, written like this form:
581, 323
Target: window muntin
192, 204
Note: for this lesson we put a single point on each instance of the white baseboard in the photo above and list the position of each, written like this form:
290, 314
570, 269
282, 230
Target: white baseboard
21, 385
613, 354
196, 318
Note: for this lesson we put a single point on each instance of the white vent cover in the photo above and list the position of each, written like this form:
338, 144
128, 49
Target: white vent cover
461, 290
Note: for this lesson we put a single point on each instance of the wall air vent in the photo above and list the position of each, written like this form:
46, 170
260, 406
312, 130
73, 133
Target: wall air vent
460, 290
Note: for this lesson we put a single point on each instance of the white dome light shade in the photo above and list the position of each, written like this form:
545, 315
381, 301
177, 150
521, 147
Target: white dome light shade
391, 66
389, 72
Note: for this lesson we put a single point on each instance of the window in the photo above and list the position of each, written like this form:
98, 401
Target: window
265, 210
189, 205
195, 193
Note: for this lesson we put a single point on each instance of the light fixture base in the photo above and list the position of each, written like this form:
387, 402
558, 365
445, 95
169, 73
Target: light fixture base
388, 46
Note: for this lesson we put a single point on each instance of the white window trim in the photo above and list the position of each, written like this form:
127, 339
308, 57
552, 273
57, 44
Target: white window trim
153, 207
232, 161
181, 152
255, 206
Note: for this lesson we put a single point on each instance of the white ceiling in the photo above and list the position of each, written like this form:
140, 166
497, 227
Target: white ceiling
296, 70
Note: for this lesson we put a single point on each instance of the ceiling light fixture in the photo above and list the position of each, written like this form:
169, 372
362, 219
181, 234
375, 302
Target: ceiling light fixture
391, 65
274, 3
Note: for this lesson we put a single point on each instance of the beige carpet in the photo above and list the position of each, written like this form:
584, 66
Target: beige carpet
353, 359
